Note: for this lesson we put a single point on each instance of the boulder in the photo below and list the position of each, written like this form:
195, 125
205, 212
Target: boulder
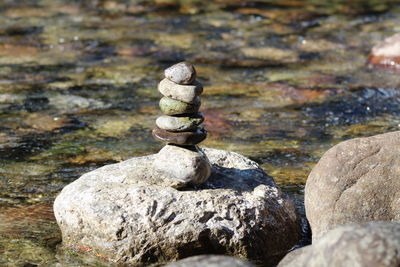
124, 213
386, 54
355, 181
210, 261
364, 245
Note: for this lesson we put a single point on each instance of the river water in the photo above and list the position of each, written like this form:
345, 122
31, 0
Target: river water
284, 81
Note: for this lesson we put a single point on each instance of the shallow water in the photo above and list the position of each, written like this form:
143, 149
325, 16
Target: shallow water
284, 81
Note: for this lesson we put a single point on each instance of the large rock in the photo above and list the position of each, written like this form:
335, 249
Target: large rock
355, 181
123, 213
210, 261
365, 245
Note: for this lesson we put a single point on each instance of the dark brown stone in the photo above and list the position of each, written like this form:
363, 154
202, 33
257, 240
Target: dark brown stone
180, 138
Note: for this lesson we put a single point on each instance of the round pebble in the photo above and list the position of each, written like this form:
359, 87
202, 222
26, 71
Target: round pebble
181, 73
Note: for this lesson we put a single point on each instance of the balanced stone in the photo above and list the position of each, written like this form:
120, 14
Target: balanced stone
181, 73
184, 93
180, 138
189, 166
171, 106
179, 124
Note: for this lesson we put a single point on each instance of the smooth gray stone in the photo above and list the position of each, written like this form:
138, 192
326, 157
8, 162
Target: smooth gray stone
129, 212
362, 245
171, 106
186, 165
355, 181
210, 261
184, 93
179, 124
181, 73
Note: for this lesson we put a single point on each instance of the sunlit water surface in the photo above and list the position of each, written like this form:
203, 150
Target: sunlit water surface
284, 81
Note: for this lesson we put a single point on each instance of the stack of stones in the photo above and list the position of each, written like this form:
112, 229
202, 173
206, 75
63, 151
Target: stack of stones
180, 126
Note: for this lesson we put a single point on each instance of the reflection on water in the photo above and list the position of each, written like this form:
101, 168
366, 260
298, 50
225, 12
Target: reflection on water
284, 81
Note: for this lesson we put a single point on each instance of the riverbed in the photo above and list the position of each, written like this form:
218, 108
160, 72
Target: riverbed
284, 80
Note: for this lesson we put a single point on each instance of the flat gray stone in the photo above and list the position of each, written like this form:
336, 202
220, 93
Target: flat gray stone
128, 213
181, 73
355, 181
179, 124
184, 93
210, 261
180, 138
364, 245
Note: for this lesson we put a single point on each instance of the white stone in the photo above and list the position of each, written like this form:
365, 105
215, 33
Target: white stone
187, 166
181, 73
184, 93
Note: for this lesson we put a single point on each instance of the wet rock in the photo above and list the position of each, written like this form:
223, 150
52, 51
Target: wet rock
210, 261
272, 54
180, 138
74, 103
355, 181
122, 212
36, 103
41, 122
184, 93
387, 53
170, 106
179, 124
189, 165
364, 245
181, 73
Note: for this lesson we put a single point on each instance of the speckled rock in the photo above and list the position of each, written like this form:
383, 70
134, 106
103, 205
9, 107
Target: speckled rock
180, 138
355, 181
365, 245
171, 106
124, 213
181, 73
210, 261
184, 93
179, 124
187, 164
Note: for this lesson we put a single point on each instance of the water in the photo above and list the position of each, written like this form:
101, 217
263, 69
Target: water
284, 81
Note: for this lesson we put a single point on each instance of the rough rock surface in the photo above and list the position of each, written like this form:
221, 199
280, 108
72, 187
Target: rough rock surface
191, 166
210, 261
365, 245
355, 181
387, 53
184, 93
123, 213
181, 73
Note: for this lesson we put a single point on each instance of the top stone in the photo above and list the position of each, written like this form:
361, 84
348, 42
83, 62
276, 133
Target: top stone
181, 73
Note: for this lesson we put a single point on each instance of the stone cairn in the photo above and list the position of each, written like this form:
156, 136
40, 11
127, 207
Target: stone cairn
181, 126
